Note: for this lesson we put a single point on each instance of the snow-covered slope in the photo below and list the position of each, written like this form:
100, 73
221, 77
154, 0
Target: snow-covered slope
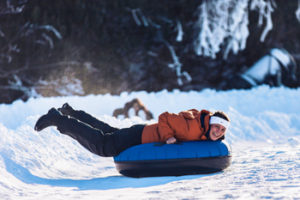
264, 136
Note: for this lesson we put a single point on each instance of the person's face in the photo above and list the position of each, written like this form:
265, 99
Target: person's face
216, 131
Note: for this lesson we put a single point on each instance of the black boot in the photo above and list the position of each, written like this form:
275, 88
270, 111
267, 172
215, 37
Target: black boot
92, 139
66, 109
49, 119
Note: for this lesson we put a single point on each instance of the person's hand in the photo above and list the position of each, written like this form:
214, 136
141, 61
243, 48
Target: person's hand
171, 140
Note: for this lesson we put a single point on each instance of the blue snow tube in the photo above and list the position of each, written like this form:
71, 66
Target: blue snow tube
154, 159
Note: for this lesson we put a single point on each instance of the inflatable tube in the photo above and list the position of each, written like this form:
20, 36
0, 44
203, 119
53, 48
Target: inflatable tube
155, 159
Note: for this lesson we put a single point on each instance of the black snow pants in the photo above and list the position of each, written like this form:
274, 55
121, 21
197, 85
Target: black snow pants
97, 136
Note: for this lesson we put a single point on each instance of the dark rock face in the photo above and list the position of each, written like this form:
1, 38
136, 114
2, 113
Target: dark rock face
114, 46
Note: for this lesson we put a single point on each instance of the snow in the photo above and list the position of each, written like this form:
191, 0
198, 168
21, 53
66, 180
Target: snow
220, 21
265, 9
224, 25
270, 64
297, 13
264, 137
177, 66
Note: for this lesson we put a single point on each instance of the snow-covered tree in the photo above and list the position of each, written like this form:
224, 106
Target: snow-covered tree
224, 24
18, 40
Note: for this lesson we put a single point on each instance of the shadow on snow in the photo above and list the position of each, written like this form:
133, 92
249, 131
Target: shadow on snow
105, 183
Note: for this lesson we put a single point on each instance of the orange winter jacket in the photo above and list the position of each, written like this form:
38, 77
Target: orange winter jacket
185, 126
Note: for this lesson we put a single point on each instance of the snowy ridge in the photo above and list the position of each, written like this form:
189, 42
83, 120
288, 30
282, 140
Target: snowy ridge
264, 135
